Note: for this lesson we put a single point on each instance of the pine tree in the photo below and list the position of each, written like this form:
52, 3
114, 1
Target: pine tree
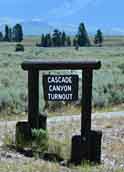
98, 40
49, 41
63, 39
6, 37
10, 34
45, 41
17, 33
82, 36
42, 40
1, 36
60, 39
56, 38
13, 33
68, 41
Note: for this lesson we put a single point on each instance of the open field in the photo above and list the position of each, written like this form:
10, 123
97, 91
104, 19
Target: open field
108, 90
108, 85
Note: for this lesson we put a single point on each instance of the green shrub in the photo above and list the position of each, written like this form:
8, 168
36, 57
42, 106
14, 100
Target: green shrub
19, 47
40, 140
121, 67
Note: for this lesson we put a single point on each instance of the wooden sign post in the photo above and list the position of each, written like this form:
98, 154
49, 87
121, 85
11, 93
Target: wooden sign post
86, 146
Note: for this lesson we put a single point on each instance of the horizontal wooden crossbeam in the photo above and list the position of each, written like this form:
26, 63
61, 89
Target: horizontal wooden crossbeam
58, 65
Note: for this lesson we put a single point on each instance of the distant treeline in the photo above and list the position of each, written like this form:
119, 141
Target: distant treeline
61, 39
12, 34
55, 39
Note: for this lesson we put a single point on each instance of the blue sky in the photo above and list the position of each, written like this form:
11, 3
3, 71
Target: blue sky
95, 13
56, 9
26, 9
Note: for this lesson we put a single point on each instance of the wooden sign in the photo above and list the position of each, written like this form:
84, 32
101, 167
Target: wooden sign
60, 87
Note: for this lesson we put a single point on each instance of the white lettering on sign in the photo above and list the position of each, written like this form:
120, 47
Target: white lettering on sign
59, 96
64, 88
60, 79
60, 87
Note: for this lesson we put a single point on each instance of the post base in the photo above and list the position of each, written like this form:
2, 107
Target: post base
23, 134
86, 148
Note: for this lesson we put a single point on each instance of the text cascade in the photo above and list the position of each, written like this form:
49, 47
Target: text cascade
60, 87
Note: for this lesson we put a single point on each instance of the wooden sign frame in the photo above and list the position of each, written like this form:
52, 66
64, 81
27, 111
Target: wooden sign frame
34, 66
86, 146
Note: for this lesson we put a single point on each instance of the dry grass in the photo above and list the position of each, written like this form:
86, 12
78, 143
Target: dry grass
29, 166
41, 166
117, 148
112, 149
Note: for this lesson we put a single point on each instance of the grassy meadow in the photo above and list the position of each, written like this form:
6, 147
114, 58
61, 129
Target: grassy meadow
108, 85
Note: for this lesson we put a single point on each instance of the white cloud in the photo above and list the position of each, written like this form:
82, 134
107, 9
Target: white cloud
36, 19
70, 7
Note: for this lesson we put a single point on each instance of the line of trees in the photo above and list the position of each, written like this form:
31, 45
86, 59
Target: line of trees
61, 39
12, 34
56, 39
